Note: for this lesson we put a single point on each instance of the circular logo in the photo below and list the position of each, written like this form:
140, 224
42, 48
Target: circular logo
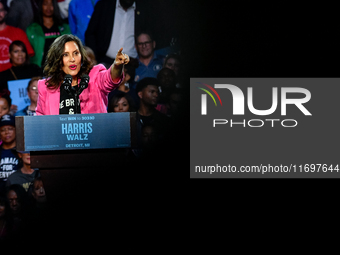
157, 67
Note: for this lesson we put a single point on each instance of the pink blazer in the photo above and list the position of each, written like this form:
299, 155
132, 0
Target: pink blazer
92, 100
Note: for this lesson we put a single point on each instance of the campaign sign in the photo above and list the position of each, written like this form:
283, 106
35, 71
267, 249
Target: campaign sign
19, 95
78, 131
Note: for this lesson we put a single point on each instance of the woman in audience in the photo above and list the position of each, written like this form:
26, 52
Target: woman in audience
45, 30
121, 102
21, 67
5, 103
5, 222
173, 62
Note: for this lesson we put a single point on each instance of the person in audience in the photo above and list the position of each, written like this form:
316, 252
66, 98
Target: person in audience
38, 191
8, 34
17, 198
5, 95
9, 160
123, 19
149, 137
21, 68
149, 62
5, 224
175, 103
79, 15
5, 102
167, 81
22, 13
25, 175
91, 56
45, 30
148, 143
40, 207
55, 99
121, 102
32, 92
173, 61
64, 9
147, 90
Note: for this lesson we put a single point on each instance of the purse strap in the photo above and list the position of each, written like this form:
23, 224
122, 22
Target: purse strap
15, 77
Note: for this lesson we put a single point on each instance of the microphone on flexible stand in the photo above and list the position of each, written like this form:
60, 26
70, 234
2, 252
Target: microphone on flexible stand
84, 83
67, 83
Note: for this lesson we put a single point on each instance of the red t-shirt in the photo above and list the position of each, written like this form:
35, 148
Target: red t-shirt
7, 36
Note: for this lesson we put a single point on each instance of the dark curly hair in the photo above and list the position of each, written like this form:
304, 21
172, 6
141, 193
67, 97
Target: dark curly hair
54, 61
56, 13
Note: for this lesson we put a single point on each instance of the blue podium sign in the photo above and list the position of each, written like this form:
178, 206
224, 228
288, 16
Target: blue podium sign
78, 131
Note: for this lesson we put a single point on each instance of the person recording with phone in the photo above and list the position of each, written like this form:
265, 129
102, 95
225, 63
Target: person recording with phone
73, 85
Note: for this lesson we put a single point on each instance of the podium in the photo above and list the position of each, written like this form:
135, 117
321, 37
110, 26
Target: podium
75, 151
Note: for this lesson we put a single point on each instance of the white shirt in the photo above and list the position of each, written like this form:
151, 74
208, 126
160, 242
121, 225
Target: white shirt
63, 8
123, 34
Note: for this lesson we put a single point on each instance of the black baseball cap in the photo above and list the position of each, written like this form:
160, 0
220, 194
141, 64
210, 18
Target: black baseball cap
7, 119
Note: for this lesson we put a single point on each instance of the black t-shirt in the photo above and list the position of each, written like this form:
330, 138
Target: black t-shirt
50, 35
69, 103
26, 180
8, 165
158, 120
21, 72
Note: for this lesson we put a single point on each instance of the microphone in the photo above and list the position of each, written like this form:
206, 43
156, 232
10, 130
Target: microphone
67, 83
84, 83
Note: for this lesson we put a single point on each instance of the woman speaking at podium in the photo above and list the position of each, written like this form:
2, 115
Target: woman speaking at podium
73, 85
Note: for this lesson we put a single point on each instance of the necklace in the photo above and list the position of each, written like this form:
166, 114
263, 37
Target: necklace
30, 108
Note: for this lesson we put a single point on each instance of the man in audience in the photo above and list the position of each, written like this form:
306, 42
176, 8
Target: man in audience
114, 24
149, 62
147, 90
8, 34
22, 13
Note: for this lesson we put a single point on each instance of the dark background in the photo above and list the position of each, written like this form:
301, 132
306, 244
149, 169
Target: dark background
232, 40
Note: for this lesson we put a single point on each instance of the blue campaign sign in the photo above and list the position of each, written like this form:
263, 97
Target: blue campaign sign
18, 90
79, 131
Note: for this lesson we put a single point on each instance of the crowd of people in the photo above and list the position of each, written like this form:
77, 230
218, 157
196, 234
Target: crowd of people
153, 84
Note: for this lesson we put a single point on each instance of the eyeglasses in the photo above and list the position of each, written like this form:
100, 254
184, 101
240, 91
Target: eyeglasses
144, 43
10, 129
34, 88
